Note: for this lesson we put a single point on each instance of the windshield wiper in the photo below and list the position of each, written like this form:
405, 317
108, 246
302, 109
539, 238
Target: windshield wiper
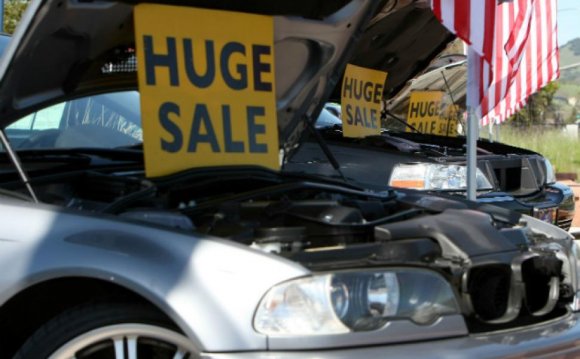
324, 146
386, 113
83, 154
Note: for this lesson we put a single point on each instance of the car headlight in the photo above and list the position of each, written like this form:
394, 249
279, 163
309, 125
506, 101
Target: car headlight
550, 174
354, 301
433, 176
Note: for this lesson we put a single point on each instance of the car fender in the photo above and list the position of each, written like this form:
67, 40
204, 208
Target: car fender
210, 287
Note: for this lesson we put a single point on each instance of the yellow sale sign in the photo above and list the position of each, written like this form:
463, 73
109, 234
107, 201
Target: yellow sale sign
429, 114
207, 88
362, 92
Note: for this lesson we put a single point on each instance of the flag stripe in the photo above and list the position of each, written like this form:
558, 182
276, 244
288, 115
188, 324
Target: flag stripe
489, 28
544, 36
554, 46
536, 66
462, 21
472, 21
436, 6
448, 14
517, 44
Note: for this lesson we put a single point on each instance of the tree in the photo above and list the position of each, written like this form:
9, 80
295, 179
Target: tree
539, 106
13, 10
572, 118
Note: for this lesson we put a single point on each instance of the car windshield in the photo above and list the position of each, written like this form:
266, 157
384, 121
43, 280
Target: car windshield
4, 40
421, 117
102, 121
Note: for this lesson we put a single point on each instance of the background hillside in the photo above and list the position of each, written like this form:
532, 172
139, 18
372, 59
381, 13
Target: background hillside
568, 95
570, 53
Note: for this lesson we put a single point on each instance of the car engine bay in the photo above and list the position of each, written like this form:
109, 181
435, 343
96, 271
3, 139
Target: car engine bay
505, 272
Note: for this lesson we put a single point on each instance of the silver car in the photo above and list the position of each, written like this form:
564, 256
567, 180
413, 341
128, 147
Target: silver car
100, 259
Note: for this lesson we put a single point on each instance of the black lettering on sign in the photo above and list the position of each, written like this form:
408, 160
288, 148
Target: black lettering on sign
378, 95
201, 118
419, 127
231, 146
374, 116
168, 125
433, 127
261, 67
255, 129
241, 81
202, 130
358, 117
424, 109
349, 119
414, 111
347, 87
368, 91
196, 79
433, 108
204, 72
363, 117
153, 60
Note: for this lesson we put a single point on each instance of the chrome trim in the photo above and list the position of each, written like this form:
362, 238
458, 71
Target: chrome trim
552, 298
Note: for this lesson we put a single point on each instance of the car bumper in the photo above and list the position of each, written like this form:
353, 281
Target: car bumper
556, 201
559, 339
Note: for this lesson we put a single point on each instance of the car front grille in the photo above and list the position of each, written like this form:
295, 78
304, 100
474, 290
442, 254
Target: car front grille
503, 296
489, 288
515, 174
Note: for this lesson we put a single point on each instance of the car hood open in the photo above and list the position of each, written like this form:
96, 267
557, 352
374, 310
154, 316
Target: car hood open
450, 78
67, 44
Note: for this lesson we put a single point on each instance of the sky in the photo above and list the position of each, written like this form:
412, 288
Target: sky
568, 20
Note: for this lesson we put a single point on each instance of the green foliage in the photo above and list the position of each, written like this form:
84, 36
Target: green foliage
539, 107
570, 53
562, 149
13, 10
573, 114
569, 81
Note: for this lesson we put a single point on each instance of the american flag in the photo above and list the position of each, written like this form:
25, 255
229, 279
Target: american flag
471, 20
523, 56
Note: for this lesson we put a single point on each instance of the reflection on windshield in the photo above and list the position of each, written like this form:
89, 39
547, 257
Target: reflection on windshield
433, 117
102, 121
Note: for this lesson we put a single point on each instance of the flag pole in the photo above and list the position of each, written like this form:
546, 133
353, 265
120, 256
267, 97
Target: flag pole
472, 121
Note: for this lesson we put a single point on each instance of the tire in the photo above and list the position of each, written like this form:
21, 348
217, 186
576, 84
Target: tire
107, 331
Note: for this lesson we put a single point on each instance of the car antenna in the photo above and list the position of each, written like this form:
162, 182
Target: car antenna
452, 100
324, 146
386, 113
16, 161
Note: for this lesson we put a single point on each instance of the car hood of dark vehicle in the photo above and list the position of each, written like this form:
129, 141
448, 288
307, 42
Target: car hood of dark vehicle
60, 48
450, 78
413, 141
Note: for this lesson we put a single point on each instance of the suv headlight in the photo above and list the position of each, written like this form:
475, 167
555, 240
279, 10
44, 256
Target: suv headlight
433, 176
550, 174
354, 301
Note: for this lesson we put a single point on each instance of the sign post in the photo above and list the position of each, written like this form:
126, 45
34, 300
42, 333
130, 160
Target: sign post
472, 122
